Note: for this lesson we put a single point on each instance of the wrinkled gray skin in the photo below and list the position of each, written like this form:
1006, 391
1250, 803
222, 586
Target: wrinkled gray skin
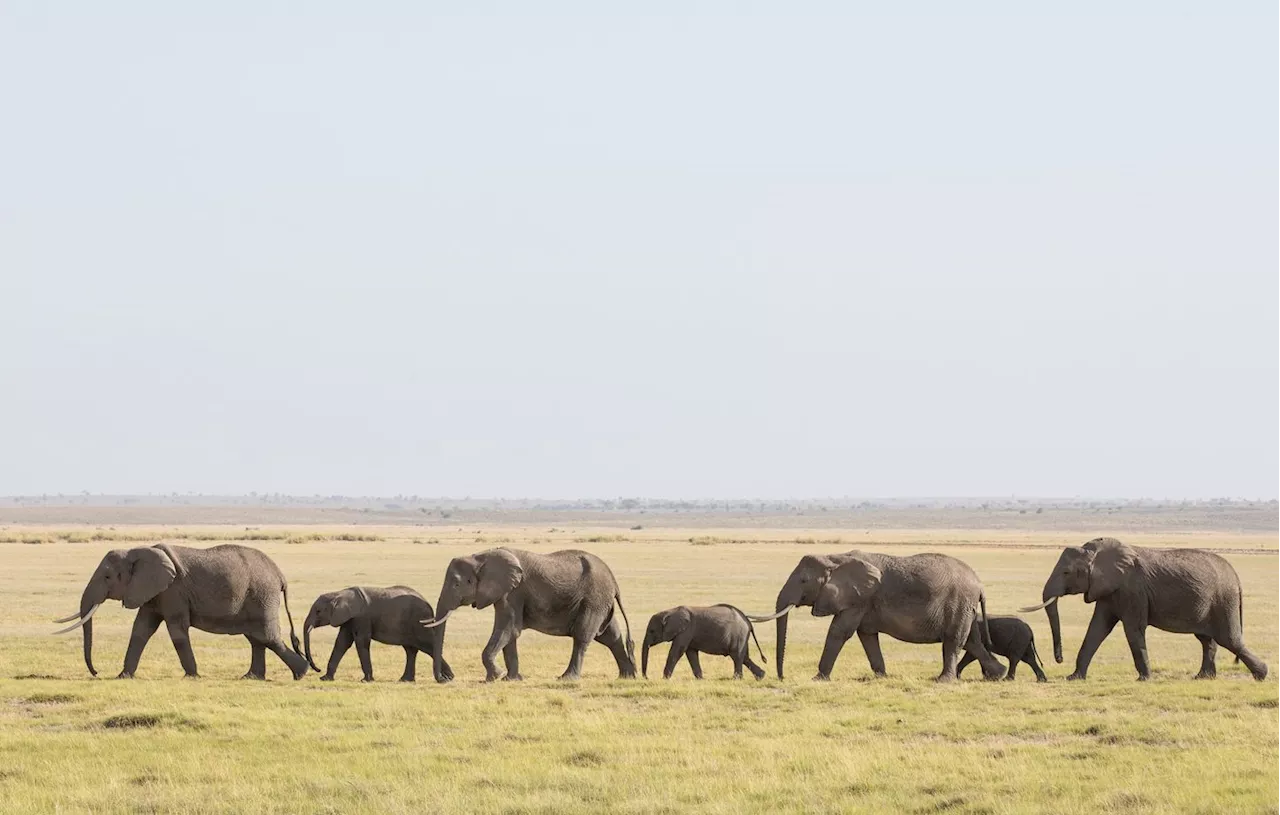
923, 598
227, 589
566, 594
1010, 637
364, 614
722, 630
1185, 591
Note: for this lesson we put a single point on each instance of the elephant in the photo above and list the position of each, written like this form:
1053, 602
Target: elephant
921, 598
1010, 637
723, 630
1184, 591
364, 614
227, 589
569, 593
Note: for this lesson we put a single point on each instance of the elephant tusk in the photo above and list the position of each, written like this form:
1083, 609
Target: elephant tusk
68, 618
433, 623
1048, 602
773, 616
81, 621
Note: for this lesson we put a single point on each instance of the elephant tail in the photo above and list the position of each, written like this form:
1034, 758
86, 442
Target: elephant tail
1035, 655
1241, 606
751, 629
293, 635
631, 645
986, 630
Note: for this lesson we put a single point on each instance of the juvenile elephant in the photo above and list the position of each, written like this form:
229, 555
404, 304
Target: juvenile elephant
227, 589
365, 614
721, 629
922, 598
566, 594
1185, 591
1010, 637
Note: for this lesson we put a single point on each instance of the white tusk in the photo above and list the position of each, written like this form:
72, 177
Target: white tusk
769, 617
1048, 602
434, 623
68, 618
86, 618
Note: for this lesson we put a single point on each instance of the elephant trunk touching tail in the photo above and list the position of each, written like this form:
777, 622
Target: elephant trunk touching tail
293, 635
751, 629
307, 625
986, 630
631, 645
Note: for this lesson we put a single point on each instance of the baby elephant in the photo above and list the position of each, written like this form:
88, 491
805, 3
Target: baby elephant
363, 614
722, 630
1010, 637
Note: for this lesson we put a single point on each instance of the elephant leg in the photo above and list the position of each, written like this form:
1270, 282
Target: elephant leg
1030, 659
991, 667
257, 660
511, 657
755, 669
296, 663
967, 659
574, 672
1208, 657
340, 646
737, 665
180, 634
1251, 661
695, 664
837, 635
1103, 620
614, 638
427, 645
674, 655
950, 657
363, 641
498, 641
410, 664
871, 646
145, 624
1136, 633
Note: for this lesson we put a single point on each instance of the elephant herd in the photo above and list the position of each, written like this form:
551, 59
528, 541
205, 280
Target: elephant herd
924, 598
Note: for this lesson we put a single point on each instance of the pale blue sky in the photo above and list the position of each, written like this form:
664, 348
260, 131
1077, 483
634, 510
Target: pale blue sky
841, 250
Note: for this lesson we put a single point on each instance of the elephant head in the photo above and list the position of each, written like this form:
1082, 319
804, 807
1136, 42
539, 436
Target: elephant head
1097, 570
335, 608
478, 580
132, 576
801, 589
664, 626
850, 585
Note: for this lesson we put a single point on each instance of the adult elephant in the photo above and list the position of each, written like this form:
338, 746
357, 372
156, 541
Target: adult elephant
1185, 591
568, 594
924, 598
225, 589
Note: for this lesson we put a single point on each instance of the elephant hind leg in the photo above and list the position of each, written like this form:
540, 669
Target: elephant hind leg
755, 669
1208, 657
992, 668
257, 660
1251, 661
296, 663
967, 659
613, 638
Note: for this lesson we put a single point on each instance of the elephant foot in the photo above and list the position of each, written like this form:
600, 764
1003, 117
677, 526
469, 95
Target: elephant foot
366, 679
945, 677
327, 678
510, 677
995, 677
569, 676
443, 680
1076, 677
406, 679
1042, 678
125, 675
1206, 675
252, 675
627, 674
1261, 673
197, 676
821, 677
1008, 677
1143, 677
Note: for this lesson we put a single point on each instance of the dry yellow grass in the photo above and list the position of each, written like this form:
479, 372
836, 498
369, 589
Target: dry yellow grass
164, 744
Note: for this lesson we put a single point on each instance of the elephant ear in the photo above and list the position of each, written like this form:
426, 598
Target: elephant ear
675, 621
1113, 564
500, 572
854, 581
348, 604
150, 572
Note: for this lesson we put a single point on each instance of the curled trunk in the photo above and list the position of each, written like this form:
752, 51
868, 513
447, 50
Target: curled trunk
306, 638
444, 607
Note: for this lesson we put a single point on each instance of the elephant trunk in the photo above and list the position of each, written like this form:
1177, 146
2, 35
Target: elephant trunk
444, 607
644, 658
1053, 589
309, 624
786, 601
95, 594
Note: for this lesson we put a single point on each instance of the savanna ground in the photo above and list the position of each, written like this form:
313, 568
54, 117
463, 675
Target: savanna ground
160, 743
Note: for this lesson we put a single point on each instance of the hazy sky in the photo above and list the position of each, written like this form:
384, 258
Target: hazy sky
845, 250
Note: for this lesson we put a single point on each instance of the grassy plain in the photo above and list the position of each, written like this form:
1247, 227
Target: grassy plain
69, 743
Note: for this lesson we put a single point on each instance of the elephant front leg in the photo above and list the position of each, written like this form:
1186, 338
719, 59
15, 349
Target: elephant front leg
511, 658
837, 636
498, 641
1208, 657
1136, 633
180, 634
966, 660
674, 656
340, 646
145, 625
1104, 619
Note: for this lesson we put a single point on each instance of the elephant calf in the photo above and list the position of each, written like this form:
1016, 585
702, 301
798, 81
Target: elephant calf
362, 615
722, 630
1010, 637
